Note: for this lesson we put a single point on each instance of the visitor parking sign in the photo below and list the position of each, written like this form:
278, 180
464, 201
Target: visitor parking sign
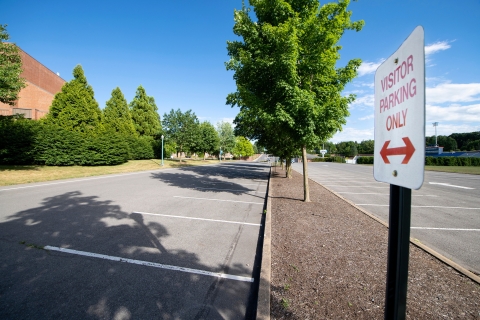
399, 156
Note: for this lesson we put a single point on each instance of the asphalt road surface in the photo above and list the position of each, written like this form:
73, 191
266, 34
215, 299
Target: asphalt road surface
166, 244
445, 210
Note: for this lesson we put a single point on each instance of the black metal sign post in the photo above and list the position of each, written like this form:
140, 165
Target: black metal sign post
398, 252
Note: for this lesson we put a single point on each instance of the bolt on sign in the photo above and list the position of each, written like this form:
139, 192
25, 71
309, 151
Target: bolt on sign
399, 156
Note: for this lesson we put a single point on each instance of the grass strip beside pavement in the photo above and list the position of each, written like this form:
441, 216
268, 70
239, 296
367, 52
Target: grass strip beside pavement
10, 175
454, 169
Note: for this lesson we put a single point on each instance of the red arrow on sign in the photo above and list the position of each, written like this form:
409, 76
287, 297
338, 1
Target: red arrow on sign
408, 151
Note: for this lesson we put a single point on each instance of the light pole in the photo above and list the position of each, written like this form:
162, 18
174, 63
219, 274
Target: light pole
220, 155
435, 124
162, 149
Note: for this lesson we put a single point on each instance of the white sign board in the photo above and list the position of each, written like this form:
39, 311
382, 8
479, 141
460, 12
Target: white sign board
399, 156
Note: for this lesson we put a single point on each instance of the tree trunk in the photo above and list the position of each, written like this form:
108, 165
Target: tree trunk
288, 172
306, 188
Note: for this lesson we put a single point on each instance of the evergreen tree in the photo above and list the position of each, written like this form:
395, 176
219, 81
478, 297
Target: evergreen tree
144, 114
116, 115
10, 69
75, 108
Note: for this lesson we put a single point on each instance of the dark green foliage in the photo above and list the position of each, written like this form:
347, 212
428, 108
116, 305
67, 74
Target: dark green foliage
144, 114
366, 147
183, 130
140, 147
463, 139
209, 140
330, 159
347, 149
452, 161
116, 115
10, 69
365, 160
473, 145
17, 139
75, 108
448, 143
56, 146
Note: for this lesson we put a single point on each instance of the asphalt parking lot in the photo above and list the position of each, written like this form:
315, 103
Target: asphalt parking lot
166, 244
445, 210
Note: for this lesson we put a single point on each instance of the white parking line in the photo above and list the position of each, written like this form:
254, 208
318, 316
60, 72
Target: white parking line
218, 200
387, 194
242, 191
150, 264
386, 205
449, 229
192, 218
450, 185
332, 185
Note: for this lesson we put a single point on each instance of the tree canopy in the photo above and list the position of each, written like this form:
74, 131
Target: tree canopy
226, 136
75, 108
10, 69
286, 73
144, 114
182, 128
208, 139
243, 147
116, 115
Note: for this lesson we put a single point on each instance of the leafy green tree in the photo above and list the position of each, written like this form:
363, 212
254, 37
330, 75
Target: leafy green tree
473, 145
116, 115
463, 139
10, 69
209, 140
448, 143
243, 147
182, 129
75, 108
347, 148
17, 140
226, 137
285, 69
366, 147
144, 114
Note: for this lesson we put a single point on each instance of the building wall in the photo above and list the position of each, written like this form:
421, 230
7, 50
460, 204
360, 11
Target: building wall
42, 85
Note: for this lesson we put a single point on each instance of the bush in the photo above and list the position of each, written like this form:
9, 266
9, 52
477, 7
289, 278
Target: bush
56, 146
140, 147
365, 160
17, 139
452, 161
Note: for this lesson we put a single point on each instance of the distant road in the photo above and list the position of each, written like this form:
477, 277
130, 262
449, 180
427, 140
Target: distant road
445, 211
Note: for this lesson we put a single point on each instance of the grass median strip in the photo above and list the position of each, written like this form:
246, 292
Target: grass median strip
13, 174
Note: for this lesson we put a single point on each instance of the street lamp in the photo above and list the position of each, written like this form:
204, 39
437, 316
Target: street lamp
435, 124
162, 149
220, 155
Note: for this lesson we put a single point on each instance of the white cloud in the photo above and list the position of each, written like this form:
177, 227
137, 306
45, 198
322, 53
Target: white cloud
353, 134
370, 116
437, 46
454, 112
366, 100
446, 129
369, 67
451, 92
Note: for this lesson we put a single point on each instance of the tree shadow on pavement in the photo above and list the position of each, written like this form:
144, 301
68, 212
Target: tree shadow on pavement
40, 283
224, 178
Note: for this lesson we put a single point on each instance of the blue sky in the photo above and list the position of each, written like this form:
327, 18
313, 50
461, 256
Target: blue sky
177, 50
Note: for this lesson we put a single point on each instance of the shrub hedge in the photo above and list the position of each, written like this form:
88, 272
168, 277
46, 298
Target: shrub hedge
365, 160
17, 139
452, 161
329, 159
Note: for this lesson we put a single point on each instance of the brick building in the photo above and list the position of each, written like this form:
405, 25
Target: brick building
42, 85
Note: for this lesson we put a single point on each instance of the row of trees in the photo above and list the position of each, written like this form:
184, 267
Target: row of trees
77, 132
285, 68
454, 142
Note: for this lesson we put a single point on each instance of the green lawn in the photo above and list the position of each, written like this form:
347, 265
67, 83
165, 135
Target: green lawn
10, 175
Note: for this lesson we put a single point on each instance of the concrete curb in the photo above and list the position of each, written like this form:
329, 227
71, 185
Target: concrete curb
413, 241
263, 303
